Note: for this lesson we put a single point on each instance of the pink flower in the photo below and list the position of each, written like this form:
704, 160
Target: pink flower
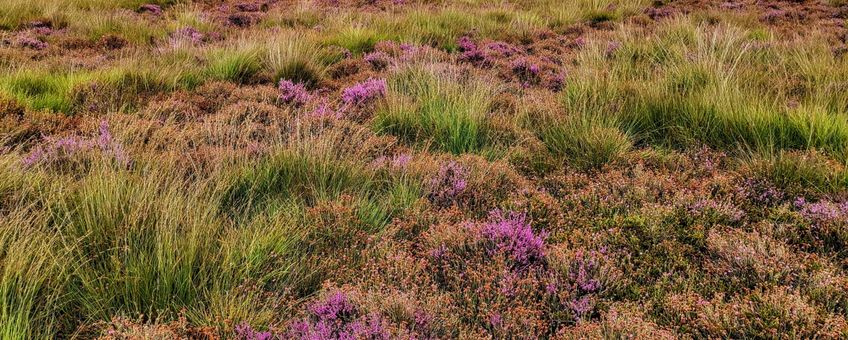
364, 92
293, 93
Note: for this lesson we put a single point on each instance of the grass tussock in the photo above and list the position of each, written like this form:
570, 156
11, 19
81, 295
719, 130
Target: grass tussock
437, 105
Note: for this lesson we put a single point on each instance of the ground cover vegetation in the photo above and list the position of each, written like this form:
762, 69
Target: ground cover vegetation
423, 169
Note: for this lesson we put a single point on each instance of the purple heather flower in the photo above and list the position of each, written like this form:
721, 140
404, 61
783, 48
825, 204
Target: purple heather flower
293, 93
465, 44
248, 7
773, 15
511, 234
378, 60
501, 48
583, 270
495, 320
336, 317
448, 183
33, 43
57, 150
364, 92
723, 209
580, 42
760, 192
324, 110
150, 8
556, 81
109, 145
401, 160
335, 306
730, 5
526, 71
189, 34
581, 306
245, 332
612, 47
42, 30
407, 48
823, 211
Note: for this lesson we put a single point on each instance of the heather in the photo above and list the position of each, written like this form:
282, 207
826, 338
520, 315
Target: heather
423, 169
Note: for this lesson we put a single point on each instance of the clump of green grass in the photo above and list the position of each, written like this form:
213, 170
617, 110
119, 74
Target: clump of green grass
297, 57
310, 167
438, 105
798, 173
31, 280
586, 142
693, 85
40, 90
354, 38
236, 64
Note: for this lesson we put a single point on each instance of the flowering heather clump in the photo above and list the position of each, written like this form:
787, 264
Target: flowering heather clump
399, 161
249, 7
555, 81
448, 183
324, 110
823, 211
501, 49
246, 332
612, 48
773, 15
336, 317
510, 233
760, 192
469, 50
293, 93
150, 8
584, 281
187, 34
364, 92
378, 60
110, 146
526, 71
523, 67
33, 43
56, 150
64, 149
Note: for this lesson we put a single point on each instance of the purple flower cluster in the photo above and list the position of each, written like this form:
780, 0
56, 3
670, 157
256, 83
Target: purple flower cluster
189, 34
324, 110
760, 192
293, 93
378, 60
108, 145
448, 183
773, 15
612, 48
470, 52
245, 332
822, 212
248, 7
364, 92
399, 161
511, 234
62, 149
523, 67
33, 43
583, 270
336, 317
583, 275
150, 8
